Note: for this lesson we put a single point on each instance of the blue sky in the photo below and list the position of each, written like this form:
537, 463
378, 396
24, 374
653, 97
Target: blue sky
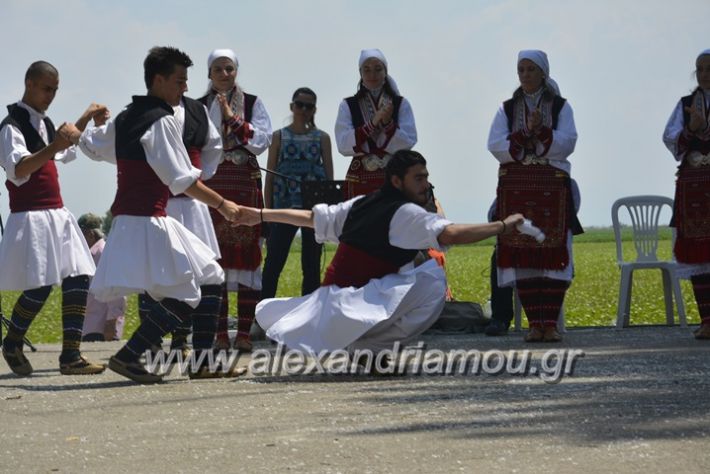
621, 64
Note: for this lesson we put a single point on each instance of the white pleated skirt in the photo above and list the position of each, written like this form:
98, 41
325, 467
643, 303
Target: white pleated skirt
41, 248
157, 255
397, 307
195, 216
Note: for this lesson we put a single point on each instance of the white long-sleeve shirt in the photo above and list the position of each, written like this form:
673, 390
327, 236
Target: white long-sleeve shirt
211, 153
411, 227
157, 255
13, 147
41, 247
164, 151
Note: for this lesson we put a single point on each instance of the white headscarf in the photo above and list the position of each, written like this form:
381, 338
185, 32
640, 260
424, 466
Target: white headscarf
366, 54
540, 59
215, 55
222, 53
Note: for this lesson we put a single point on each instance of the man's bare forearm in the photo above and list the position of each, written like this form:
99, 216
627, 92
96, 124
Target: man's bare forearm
469, 233
31, 163
296, 217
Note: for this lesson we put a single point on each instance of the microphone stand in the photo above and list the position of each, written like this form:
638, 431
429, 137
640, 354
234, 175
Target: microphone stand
284, 176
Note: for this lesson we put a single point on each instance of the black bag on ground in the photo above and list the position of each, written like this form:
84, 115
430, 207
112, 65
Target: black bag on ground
459, 317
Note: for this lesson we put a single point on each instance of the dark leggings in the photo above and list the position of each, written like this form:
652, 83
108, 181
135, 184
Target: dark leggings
277, 250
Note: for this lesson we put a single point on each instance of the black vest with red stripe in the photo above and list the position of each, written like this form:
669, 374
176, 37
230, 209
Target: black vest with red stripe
557, 104
195, 129
365, 251
42, 189
695, 143
194, 134
140, 192
358, 119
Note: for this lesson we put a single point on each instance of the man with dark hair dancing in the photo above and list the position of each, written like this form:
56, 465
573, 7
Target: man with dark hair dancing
42, 245
148, 251
372, 295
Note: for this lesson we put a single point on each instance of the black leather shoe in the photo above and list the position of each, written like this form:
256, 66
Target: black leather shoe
496, 328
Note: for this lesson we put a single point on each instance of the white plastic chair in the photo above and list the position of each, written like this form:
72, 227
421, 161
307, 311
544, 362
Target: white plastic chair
518, 314
645, 212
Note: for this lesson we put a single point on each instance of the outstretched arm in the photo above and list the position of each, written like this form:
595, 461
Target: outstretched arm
295, 217
227, 208
468, 233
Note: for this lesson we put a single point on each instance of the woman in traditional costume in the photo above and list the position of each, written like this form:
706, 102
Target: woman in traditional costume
372, 125
532, 136
246, 132
687, 136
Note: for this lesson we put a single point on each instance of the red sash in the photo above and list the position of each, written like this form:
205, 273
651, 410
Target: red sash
692, 215
353, 267
542, 194
239, 245
41, 191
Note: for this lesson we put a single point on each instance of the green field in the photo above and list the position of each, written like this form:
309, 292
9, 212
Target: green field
591, 300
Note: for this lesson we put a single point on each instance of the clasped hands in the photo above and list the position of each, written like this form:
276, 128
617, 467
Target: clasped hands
98, 113
68, 133
384, 115
226, 108
534, 125
534, 122
240, 215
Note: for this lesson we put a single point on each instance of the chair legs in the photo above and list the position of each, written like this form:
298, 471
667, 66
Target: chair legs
671, 291
667, 295
624, 307
678, 295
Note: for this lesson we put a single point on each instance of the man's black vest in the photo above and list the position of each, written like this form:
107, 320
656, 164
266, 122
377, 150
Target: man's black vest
134, 121
20, 118
368, 224
194, 134
41, 191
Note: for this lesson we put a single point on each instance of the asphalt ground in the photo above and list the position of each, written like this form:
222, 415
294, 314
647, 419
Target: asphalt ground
636, 400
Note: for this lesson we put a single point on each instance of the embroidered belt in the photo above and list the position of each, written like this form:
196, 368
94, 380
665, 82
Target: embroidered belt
532, 159
697, 159
372, 162
238, 156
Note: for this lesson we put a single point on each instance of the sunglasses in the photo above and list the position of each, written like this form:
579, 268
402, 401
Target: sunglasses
304, 105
